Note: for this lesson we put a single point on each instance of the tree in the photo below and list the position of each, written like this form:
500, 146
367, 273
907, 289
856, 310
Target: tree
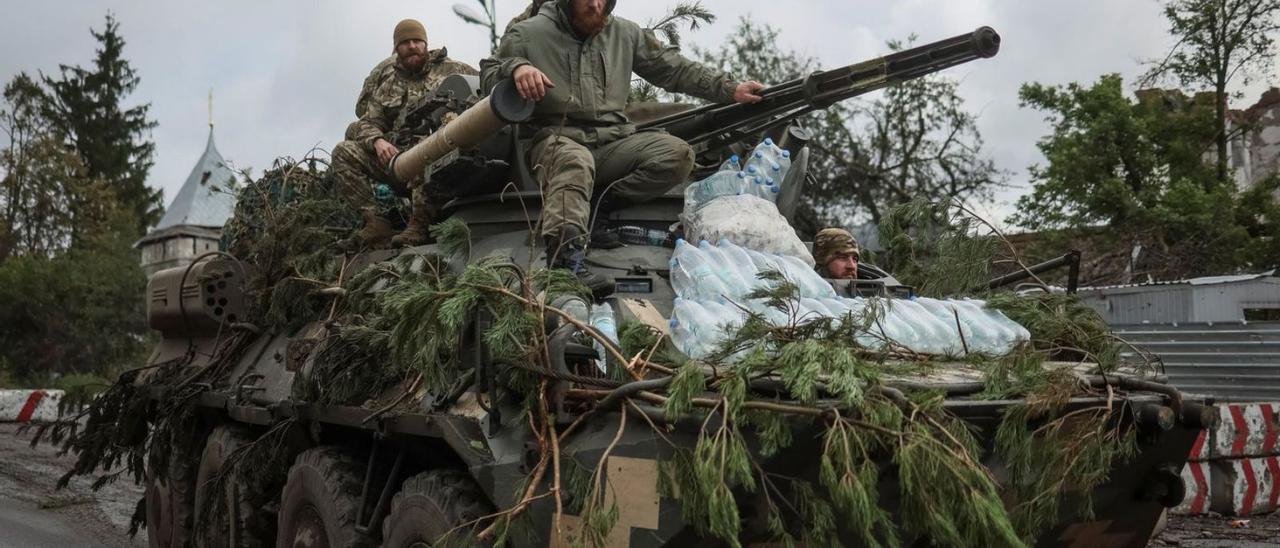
79, 311
1132, 175
1218, 41
85, 109
46, 198
915, 141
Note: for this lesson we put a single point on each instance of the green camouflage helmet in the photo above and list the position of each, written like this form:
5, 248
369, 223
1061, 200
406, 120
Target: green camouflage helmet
831, 242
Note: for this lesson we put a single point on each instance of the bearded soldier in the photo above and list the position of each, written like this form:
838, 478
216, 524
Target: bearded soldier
836, 253
576, 59
360, 162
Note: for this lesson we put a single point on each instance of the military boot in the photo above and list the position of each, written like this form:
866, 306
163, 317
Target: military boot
377, 232
602, 235
418, 230
565, 250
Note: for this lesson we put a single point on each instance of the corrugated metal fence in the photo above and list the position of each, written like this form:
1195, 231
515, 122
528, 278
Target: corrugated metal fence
1232, 362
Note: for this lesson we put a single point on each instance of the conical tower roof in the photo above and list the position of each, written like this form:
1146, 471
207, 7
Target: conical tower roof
206, 199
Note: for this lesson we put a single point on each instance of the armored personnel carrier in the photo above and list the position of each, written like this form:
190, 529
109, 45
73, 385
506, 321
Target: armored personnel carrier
447, 394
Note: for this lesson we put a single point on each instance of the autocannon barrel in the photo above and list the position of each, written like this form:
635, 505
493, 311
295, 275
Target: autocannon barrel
789, 100
503, 106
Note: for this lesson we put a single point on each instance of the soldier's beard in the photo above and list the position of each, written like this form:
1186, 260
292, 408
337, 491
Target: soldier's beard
586, 21
413, 61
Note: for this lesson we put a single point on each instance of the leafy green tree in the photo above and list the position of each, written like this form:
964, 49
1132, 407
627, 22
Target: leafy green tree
1131, 174
80, 311
86, 109
72, 201
47, 199
916, 141
1218, 42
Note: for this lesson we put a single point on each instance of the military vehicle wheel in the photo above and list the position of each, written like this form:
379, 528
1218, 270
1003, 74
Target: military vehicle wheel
431, 504
236, 507
320, 501
169, 497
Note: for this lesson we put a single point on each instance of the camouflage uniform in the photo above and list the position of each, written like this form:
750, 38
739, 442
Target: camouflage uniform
582, 139
380, 73
355, 161
830, 243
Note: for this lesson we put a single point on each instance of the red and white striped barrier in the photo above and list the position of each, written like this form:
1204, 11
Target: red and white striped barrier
1246, 430
1248, 486
1196, 477
29, 405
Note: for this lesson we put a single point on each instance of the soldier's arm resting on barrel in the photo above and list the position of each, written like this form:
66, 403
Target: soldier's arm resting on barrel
662, 65
371, 130
510, 56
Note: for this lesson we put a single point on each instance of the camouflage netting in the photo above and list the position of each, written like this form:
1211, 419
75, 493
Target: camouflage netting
402, 323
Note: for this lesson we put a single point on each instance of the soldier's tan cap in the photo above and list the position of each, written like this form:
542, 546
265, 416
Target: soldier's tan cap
830, 242
409, 29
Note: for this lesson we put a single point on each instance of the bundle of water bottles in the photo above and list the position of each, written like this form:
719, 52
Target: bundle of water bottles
712, 283
737, 203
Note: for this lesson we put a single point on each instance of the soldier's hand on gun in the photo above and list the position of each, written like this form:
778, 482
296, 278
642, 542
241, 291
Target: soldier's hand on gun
386, 151
748, 92
531, 82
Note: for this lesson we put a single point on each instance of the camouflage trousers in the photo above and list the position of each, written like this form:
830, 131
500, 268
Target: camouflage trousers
357, 172
632, 169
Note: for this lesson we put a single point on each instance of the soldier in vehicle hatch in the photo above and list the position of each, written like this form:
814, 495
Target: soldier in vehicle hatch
360, 162
835, 251
576, 61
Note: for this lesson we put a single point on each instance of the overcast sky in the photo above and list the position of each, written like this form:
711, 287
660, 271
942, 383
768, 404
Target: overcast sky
285, 74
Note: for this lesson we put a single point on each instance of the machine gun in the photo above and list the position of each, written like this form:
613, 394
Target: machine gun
429, 113
707, 128
711, 126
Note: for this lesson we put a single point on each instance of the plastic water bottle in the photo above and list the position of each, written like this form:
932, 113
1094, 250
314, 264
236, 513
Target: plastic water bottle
784, 164
771, 189
574, 306
602, 319
934, 337
725, 270
732, 164
720, 183
639, 235
682, 337
741, 260
693, 276
816, 307
699, 328
809, 282
765, 157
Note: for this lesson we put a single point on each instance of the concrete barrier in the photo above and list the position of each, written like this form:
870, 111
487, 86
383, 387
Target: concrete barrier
1235, 468
29, 405
1196, 477
1246, 430
1245, 487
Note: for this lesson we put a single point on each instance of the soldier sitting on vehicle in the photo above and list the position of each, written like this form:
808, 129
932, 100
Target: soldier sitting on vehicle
576, 61
360, 162
835, 251
381, 72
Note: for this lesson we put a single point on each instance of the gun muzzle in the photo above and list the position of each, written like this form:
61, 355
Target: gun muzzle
503, 106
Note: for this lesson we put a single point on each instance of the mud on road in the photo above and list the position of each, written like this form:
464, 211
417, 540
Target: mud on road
33, 512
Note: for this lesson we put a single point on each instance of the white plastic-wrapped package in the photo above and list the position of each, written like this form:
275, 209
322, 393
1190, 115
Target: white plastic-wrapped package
748, 221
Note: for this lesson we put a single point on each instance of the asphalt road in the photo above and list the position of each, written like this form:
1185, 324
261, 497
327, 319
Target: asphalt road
33, 513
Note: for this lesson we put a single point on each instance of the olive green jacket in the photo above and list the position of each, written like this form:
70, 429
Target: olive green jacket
592, 77
400, 89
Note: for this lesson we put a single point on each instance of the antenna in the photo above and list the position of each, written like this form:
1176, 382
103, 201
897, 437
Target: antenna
210, 108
